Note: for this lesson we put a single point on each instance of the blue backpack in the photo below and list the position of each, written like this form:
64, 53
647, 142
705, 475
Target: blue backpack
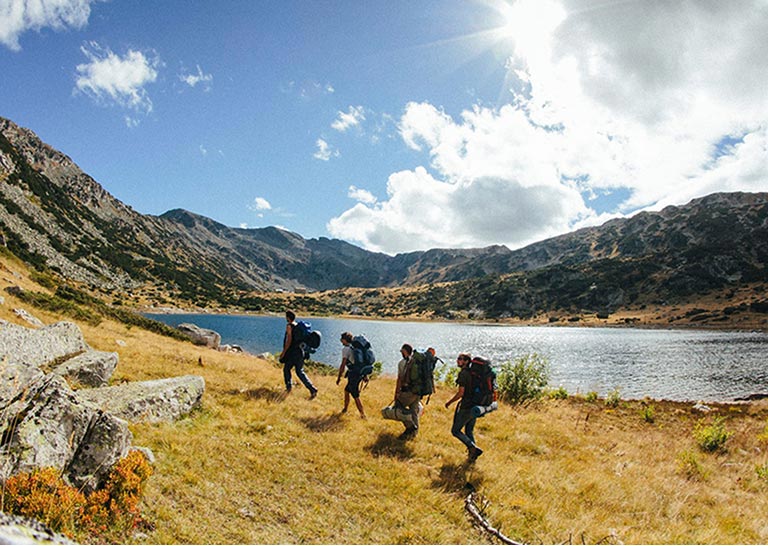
307, 338
363, 357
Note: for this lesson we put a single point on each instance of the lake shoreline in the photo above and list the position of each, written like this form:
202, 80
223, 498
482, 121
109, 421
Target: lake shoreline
583, 322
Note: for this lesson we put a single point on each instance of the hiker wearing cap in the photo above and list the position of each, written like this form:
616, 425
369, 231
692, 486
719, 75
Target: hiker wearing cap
463, 417
409, 400
352, 374
292, 356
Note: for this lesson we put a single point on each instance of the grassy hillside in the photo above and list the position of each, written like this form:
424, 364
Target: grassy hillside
253, 466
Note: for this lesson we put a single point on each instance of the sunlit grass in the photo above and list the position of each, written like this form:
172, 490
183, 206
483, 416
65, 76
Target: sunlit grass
254, 466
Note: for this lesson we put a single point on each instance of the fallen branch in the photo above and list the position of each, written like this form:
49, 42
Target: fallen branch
477, 517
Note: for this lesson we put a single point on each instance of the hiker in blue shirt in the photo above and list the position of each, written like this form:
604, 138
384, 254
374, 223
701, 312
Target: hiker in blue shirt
293, 357
352, 374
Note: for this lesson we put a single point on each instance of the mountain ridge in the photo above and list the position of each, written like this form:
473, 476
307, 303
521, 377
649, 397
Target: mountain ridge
55, 216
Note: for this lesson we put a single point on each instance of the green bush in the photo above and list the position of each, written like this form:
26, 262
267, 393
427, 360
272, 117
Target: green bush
524, 379
559, 393
649, 413
613, 398
711, 437
591, 396
688, 464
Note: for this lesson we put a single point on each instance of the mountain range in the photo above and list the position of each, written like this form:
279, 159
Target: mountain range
57, 218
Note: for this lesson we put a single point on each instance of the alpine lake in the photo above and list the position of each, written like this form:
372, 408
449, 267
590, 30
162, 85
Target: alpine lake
657, 363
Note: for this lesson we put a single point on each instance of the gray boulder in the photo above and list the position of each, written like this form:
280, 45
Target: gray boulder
148, 401
46, 425
201, 336
19, 530
91, 368
44, 346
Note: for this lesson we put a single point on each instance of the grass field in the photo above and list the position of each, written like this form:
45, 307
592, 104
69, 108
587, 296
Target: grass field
255, 466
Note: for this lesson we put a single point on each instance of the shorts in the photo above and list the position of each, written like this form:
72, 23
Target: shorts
353, 384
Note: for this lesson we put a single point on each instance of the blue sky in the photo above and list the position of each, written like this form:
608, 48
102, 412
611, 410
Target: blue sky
397, 125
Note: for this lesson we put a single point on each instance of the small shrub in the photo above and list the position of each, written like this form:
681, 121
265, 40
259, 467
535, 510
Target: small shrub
762, 472
688, 464
524, 379
649, 413
559, 393
591, 396
711, 437
613, 398
44, 496
446, 374
111, 512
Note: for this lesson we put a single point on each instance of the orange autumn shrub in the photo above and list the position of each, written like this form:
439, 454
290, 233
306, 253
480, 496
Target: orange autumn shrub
111, 510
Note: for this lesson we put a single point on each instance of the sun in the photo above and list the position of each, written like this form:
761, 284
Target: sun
528, 24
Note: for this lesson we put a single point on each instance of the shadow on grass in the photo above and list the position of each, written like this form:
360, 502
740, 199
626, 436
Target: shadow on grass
458, 478
323, 424
390, 445
261, 393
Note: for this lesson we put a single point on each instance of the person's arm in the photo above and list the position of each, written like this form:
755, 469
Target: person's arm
342, 367
400, 375
288, 339
459, 394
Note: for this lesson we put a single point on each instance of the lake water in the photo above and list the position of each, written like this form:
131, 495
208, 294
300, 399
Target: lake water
662, 364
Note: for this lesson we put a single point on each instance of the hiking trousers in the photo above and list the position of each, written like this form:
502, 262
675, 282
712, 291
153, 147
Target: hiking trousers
299, 365
463, 419
411, 402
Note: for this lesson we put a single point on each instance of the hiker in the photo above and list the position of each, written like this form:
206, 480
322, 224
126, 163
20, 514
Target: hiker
293, 357
463, 417
403, 394
352, 374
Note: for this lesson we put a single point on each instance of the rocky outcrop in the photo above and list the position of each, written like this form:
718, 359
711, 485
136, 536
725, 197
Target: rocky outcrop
44, 422
19, 530
90, 369
46, 425
149, 401
201, 336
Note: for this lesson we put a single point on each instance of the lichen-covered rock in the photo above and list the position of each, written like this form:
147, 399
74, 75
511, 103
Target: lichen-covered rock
19, 530
149, 401
201, 336
46, 425
38, 347
91, 369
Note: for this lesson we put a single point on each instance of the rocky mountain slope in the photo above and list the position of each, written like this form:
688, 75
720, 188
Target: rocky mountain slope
57, 217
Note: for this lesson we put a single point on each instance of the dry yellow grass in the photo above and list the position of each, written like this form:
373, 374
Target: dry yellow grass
253, 466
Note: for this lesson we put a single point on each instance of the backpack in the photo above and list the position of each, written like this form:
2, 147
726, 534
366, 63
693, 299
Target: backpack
482, 383
422, 373
307, 338
363, 357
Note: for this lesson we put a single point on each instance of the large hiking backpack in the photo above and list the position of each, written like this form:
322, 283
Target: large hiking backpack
307, 338
422, 373
482, 383
362, 356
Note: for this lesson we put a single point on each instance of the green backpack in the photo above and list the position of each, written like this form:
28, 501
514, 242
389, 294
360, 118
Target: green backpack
422, 373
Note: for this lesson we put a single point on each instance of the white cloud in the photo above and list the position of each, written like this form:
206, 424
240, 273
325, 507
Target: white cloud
193, 79
203, 150
261, 204
351, 118
18, 16
361, 195
630, 96
324, 150
108, 76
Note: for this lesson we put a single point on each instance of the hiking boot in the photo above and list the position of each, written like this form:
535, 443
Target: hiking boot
313, 395
474, 453
408, 434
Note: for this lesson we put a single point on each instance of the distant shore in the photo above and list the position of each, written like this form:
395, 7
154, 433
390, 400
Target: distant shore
622, 319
